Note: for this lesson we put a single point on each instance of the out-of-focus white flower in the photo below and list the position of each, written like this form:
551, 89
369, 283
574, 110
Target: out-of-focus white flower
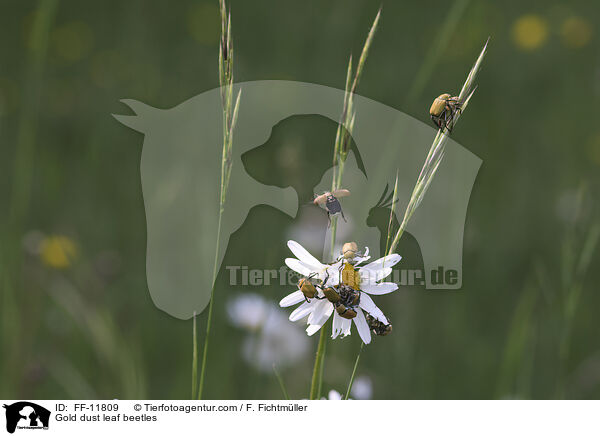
248, 311
273, 340
334, 395
345, 272
362, 388
570, 205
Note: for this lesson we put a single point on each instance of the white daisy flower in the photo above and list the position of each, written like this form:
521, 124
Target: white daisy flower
345, 276
362, 388
248, 311
272, 339
334, 395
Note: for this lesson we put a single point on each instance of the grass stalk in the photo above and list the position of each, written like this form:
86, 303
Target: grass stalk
436, 153
314, 385
573, 285
20, 196
230, 114
351, 382
392, 211
194, 358
321, 370
340, 153
28, 122
281, 384
514, 379
345, 127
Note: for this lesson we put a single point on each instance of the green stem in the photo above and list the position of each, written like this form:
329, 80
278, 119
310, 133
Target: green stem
21, 187
321, 369
314, 385
354, 371
281, 384
396, 239
194, 359
210, 309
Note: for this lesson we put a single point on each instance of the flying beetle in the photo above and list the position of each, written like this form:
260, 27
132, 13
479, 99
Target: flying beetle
443, 110
332, 204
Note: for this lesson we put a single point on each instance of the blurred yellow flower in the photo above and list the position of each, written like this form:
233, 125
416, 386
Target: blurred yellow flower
203, 23
576, 32
530, 32
73, 40
58, 251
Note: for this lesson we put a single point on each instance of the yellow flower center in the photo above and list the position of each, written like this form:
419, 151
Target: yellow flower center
351, 277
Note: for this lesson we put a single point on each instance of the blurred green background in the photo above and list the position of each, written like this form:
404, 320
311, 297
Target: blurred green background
76, 317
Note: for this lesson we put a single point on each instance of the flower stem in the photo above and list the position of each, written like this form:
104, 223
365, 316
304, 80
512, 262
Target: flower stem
210, 310
320, 383
314, 385
341, 148
17, 209
194, 359
354, 371
281, 384
230, 114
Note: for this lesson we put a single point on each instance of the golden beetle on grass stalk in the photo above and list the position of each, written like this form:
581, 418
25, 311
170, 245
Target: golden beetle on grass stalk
443, 109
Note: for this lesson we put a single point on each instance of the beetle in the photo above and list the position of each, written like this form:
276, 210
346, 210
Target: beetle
307, 288
443, 110
332, 204
350, 252
332, 295
310, 290
378, 327
349, 300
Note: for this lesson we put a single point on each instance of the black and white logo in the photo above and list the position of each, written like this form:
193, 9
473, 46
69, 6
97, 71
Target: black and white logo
26, 415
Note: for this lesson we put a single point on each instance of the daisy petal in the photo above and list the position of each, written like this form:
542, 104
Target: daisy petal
317, 313
345, 326
312, 329
322, 312
360, 260
334, 395
327, 314
362, 326
387, 262
304, 256
332, 274
293, 298
301, 312
367, 304
299, 267
378, 288
336, 327
373, 275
